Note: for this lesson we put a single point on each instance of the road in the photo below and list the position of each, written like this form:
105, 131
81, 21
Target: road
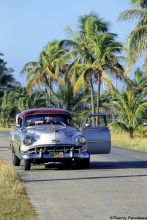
113, 187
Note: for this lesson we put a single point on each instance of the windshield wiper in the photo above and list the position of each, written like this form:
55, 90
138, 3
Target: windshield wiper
59, 121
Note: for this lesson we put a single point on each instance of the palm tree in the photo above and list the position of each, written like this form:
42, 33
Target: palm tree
136, 41
43, 71
141, 131
131, 110
106, 62
35, 100
65, 95
68, 100
7, 108
139, 83
82, 68
102, 61
23, 100
6, 77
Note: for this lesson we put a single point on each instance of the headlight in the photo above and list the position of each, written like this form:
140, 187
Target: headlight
82, 140
26, 152
27, 141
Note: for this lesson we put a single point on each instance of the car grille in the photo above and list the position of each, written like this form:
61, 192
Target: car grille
47, 149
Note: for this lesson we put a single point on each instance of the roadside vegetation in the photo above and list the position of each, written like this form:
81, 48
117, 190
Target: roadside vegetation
13, 200
123, 140
90, 59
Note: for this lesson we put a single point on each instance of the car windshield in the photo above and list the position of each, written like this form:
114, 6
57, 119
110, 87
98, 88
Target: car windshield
46, 119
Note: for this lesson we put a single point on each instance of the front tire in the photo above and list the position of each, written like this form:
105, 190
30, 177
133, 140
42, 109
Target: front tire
68, 163
26, 164
82, 163
15, 160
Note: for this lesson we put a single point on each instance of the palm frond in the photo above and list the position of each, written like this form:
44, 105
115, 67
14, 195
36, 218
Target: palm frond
132, 14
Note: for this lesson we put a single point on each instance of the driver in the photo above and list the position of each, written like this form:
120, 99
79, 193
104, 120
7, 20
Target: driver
47, 121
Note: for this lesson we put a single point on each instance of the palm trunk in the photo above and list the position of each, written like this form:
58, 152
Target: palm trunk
92, 95
49, 92
131, 131
98, 91
47, 98
92, 100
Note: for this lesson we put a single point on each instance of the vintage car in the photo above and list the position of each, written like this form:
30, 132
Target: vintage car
46, 135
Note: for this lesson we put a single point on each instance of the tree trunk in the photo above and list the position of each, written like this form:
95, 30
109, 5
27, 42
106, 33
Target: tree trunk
48, 94
92, 100
98, 91
92, 95
49, 104
131, 133
47, 98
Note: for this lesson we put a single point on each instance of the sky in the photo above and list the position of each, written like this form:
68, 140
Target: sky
27, 26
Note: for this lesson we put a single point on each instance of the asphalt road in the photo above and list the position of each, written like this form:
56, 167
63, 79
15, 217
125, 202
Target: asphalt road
113, 187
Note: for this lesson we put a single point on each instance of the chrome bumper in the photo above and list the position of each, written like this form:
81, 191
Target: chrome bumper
82, 155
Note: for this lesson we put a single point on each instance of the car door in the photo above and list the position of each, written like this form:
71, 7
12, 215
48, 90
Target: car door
97, 134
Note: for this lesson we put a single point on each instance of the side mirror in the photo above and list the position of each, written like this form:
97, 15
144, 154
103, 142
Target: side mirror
87, 125
84, 126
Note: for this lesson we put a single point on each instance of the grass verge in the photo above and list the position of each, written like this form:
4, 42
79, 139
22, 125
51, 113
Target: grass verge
14, 204
6, 129
123, 140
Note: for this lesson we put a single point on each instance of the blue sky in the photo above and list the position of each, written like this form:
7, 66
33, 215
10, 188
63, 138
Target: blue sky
27, 26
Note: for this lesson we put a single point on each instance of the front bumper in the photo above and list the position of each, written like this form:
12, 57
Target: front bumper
71, 155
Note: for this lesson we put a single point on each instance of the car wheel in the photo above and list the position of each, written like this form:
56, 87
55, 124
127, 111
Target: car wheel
26, 164
82, 163
15, 160
68, 162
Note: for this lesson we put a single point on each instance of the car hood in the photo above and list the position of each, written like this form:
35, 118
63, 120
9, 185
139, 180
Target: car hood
58, 135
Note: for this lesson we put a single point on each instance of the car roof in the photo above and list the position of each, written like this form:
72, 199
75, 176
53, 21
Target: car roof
44, 111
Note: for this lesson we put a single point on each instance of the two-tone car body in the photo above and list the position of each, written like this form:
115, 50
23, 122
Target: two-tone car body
48, 135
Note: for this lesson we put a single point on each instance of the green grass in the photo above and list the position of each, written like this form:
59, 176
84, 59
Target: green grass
14, 204
123, 140
6, 129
